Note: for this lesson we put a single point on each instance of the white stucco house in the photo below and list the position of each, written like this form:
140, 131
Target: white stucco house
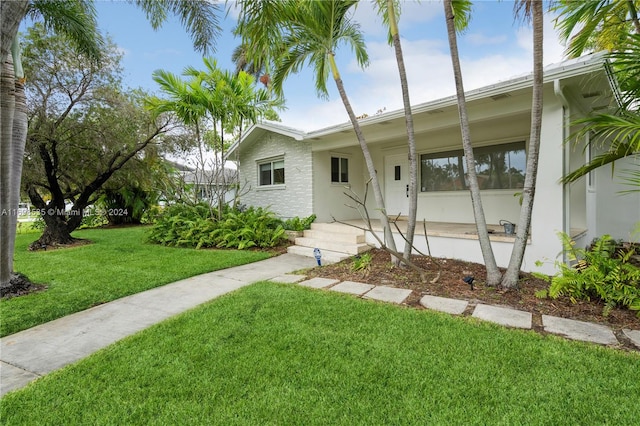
298, 173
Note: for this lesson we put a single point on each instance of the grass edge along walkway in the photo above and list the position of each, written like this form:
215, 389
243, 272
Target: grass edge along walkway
118, 263
283, 354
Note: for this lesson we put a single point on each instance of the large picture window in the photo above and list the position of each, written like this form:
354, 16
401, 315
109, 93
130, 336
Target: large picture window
339, 170
271, 173
497, 167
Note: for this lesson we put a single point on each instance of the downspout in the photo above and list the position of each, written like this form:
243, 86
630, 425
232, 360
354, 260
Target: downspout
566, 187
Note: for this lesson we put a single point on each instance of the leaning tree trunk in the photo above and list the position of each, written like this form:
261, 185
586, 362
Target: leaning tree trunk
512, 275
375, 183
408, 116
493, 273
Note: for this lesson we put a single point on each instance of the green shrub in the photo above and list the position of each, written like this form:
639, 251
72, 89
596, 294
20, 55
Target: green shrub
362, 262
603, 271
193, 226
297, 224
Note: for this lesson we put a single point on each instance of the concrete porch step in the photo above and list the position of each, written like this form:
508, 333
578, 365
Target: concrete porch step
328, 256
347, 237
337, 246
336, 228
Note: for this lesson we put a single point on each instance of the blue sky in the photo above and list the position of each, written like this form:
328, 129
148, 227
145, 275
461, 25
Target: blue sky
494, 48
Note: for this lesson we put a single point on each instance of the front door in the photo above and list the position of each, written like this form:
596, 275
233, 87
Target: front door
396, 187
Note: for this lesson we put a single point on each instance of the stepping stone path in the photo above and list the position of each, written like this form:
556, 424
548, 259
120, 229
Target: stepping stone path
571, 329
443, 304
579, 330
503, 316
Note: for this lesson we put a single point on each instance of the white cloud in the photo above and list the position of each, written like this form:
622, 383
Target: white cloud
429, 73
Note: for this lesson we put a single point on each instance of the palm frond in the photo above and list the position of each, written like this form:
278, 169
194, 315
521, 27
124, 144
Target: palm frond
199, 17
76, 19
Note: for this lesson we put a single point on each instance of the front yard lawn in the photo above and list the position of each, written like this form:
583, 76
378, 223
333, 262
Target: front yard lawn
118, 263
283, 354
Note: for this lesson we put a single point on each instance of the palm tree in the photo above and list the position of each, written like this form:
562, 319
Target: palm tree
456, 21
596, 24
532, 9
389, 9
311, 31
76, 19
611, 25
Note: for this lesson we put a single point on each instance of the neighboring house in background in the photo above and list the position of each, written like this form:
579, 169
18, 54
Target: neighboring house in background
208, 185
299, 173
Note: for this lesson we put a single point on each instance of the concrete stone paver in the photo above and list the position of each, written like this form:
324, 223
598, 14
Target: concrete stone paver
579, 330
388, 294
288, 278
503, 316
352, 287
318, 282
444, 304
633, 335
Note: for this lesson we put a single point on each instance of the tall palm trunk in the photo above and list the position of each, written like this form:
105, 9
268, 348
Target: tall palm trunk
377, 193
7, 113
411, 140
11, 14
493, 273
512, 274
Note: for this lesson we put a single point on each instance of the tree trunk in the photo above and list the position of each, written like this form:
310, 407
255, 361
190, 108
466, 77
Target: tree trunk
512, 275
384, 219
56, 233
7, 113
411, 140
493, 273
11, 14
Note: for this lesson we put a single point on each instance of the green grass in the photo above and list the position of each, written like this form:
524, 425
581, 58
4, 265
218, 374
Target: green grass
117, 264
283, 354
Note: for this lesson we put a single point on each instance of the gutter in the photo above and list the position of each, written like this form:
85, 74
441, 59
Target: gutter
566, 151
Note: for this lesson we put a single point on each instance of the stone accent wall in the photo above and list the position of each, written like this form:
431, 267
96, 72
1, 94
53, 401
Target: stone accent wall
294, 198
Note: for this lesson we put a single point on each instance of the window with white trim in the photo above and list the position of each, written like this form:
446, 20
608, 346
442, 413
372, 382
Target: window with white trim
271, 172
339, 170
497, 166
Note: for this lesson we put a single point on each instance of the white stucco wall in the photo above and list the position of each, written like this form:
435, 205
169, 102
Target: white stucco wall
330, 200
295, 197
609, 211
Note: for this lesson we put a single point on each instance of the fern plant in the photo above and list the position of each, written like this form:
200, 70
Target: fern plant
603, 271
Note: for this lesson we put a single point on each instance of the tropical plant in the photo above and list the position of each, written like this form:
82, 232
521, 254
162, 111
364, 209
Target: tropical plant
311, 32
603, 271
184, 225
614, 26
299, 224
214, 102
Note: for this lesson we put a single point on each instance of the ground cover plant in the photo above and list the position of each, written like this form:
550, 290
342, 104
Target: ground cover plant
117, 263
185, 225
284, 354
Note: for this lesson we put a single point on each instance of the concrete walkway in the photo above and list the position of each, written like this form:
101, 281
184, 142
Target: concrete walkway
32, 353
29, 354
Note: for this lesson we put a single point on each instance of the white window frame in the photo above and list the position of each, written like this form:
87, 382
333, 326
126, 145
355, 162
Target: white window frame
271, 162
340, 158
